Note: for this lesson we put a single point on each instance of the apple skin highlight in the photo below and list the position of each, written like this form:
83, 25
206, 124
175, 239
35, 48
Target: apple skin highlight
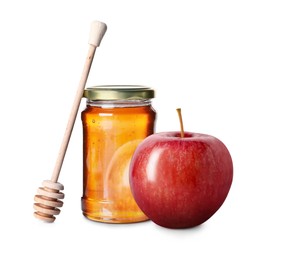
180, 182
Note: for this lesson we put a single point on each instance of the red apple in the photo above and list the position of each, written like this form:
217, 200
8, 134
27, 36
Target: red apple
180, 182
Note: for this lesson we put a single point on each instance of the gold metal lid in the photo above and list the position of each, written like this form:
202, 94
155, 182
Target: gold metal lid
116, 92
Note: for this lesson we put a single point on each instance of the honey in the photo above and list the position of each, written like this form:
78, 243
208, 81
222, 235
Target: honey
115, 121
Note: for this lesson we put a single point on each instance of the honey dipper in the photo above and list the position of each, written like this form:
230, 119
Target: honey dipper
49, 196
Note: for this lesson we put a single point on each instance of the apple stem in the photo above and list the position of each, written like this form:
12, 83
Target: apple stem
180, 122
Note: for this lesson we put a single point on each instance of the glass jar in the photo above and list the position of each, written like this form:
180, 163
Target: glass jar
117, 118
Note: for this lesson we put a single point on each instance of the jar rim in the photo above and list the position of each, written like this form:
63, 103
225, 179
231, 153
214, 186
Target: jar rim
116, 92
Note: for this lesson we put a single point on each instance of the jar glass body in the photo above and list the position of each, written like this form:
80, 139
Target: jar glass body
112, 129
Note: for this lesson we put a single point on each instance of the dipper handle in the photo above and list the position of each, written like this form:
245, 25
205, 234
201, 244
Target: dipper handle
97, 32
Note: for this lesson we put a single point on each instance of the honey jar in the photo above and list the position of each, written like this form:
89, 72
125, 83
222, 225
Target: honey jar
116, 119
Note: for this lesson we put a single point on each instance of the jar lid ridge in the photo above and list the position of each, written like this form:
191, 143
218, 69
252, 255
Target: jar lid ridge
116, 92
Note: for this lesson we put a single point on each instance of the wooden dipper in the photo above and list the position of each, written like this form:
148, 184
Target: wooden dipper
49, 196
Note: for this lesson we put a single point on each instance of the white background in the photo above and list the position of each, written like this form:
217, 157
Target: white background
222, 62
